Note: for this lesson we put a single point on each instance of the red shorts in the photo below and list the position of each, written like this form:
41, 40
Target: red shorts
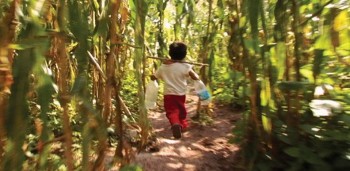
175, 109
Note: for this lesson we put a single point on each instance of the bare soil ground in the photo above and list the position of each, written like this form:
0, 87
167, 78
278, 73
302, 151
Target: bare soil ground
201, 148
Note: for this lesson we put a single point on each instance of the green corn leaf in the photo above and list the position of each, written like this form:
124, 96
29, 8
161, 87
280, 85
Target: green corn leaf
281, 59
266, 123
96, 4
138, 61
310, 156
345, 118
78, 25
265, 93
102, 27
308, 128
191, 11
18, 113
45, 91
293, 151
324, 41
29, 43
78, 19
306, 71
285, 139
317, 64
133, 10
253, 7
292, 85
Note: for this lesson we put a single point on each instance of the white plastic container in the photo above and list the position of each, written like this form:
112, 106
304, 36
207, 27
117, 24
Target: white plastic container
202, 92
151, 94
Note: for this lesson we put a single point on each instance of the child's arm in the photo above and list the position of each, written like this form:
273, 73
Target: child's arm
193, 75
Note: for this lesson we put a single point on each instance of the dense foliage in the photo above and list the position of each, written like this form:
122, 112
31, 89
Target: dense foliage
72, 76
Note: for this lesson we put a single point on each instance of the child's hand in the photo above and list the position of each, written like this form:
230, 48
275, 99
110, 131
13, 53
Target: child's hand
193, 75
153, 77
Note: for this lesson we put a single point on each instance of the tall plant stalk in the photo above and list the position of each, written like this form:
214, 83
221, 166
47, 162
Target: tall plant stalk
254, 125
63, 82
160, 25
7, 33
205, 51
141, 8
18, 113
293, 115
298, 38
110, 69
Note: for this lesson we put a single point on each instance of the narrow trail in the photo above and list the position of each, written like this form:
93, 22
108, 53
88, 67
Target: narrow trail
201, 148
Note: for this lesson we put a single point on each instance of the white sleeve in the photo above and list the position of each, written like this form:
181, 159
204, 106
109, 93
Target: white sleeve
188, 69
157, 74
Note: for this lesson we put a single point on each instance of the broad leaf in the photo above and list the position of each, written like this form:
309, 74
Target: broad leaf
293, 151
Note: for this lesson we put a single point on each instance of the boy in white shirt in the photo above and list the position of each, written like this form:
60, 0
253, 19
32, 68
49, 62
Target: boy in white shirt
174, 73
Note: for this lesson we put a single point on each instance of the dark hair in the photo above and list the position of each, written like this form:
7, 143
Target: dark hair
177, 50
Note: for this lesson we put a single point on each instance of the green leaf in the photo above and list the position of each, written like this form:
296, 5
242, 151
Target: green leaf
316, 69
342, 163
102, 27
285, 139
266, 123
308, 155
308, 128
28, 43
253, 7
337, 135
265, 93
78, 19
279, 60
306, 72
322, 167
264, 166
345, 118
324, 41
242, 22
292, 151
292, 85
325, 152
96, 4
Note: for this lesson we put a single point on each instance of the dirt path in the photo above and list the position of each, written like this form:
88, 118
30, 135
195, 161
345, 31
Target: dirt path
201, 148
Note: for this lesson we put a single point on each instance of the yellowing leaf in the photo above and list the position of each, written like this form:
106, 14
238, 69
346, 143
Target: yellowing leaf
341, 22
307, 72
263, 97
266, 123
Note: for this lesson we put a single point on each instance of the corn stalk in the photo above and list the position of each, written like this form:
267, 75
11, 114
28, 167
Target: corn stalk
141, 8
7, 33
204, 55
92, 123
63, 77
161, 5
31, 46
250, 61
110, 69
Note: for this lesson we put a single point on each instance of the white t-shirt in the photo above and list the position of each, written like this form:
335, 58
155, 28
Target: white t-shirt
174, 76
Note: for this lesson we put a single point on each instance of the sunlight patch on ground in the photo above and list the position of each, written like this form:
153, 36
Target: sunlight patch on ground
169, 141
159, 130
197, 146
178, 165
156, 115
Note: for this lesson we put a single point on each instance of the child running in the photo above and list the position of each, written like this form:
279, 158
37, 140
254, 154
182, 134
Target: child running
174, 73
